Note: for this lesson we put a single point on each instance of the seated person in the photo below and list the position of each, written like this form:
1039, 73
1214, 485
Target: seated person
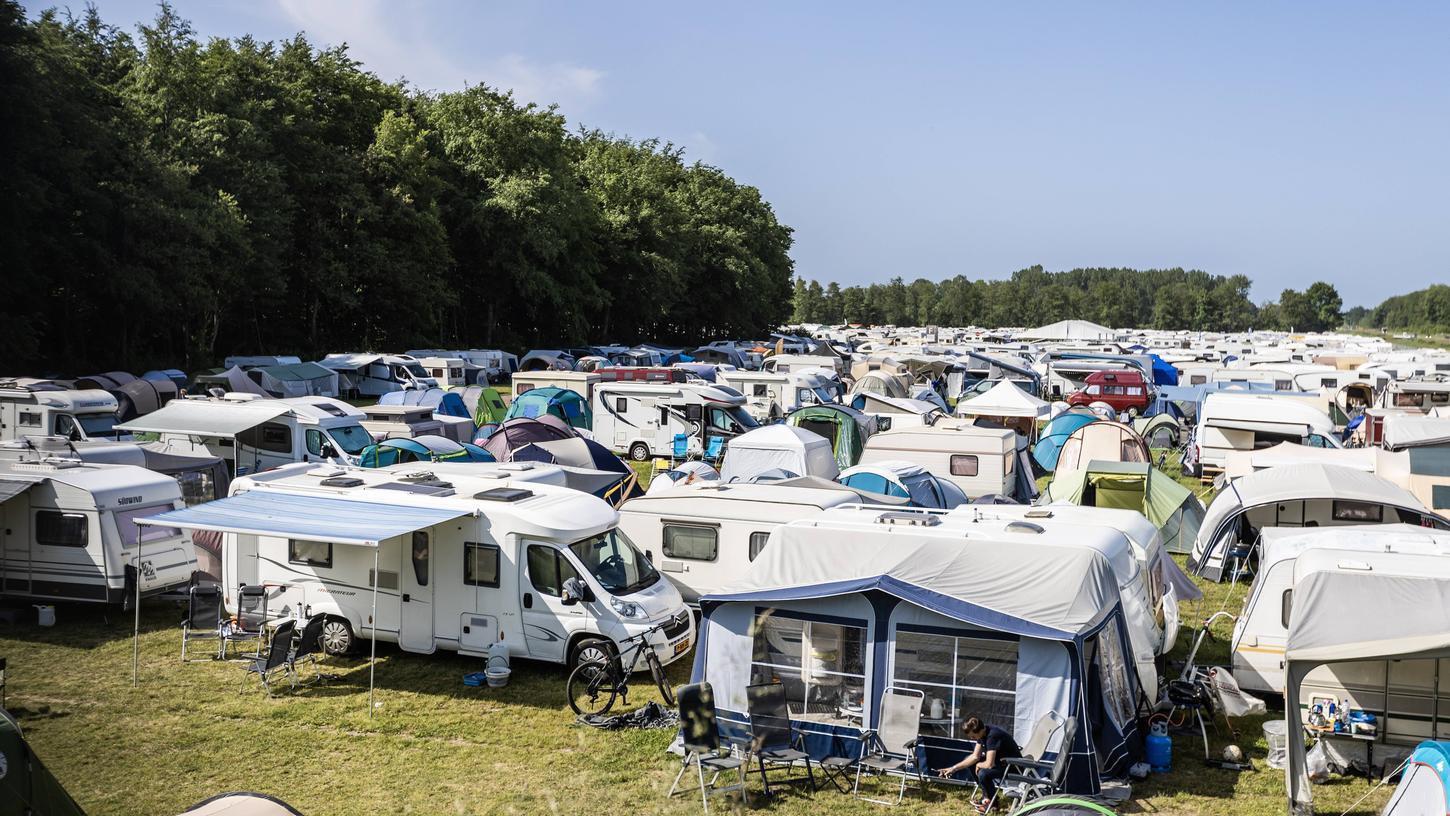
993, 746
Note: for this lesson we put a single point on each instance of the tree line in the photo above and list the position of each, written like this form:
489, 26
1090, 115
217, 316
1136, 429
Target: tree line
1117, 297
1426, 311
168, 201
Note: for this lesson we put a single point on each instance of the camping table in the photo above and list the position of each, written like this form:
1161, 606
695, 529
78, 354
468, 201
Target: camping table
1368, 739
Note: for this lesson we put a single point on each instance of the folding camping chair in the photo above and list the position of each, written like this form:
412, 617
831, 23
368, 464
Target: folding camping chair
203, 616
309, 646
679, 449
1026, 780
250, 621
1032, 765
892, 747
715, 449
701, 737
772, 738
278, 658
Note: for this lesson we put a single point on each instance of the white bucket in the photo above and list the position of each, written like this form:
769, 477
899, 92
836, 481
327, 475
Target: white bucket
497, 671
46, 614
1276, 734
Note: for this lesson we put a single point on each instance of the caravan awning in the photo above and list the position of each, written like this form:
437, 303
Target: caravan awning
203, 418
308, 518
1257, 426
10, 487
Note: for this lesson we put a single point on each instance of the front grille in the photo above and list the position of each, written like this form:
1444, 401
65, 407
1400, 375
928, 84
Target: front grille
678, 625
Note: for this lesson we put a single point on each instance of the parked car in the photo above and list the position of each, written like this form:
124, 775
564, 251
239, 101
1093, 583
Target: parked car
1122, 390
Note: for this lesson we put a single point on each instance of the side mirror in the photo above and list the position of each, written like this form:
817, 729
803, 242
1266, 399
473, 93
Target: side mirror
573, 591
649, 556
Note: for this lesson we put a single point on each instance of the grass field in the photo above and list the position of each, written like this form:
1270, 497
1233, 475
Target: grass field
434, 745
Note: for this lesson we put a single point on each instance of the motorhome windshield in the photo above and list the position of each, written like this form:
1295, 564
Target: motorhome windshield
351, 439
416, 370
732, 420
97, 424
615, 563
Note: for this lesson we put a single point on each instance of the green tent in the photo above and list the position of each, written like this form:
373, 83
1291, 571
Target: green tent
841, 425
26, 787
484, 401
1134, 486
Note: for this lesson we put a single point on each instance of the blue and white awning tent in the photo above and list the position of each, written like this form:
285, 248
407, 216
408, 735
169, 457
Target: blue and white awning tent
1424, 788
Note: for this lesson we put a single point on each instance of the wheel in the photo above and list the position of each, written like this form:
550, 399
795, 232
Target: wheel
590, 688
639, 452
657, 671
591, 650
337, 638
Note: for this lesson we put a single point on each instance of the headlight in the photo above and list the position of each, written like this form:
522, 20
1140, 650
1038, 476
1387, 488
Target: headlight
625, 609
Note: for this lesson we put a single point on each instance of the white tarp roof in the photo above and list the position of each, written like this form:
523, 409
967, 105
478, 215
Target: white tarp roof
1410, 430
206, 417
779, 446
349, 362
1004, 399
1327, 620
1069, 330
1281, 543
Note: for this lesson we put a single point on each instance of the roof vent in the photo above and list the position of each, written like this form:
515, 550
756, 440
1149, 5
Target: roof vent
516, 467
1358, 566
420, 477
504, 494
1025, 527
342, 481
909, 519
1038, 513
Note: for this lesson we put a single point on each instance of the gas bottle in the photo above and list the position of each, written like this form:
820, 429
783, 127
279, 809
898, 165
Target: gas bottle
1160, 747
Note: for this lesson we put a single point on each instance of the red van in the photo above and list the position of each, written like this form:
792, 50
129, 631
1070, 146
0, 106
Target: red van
1123, 390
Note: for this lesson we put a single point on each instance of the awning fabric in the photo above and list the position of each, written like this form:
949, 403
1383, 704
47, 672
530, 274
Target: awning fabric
308, 518
1257, 426
202, 418
11, 487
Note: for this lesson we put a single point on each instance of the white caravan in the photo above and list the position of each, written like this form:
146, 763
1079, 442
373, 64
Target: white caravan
256, 433
38, 409
373, 375
580, 382
68, 532
408, 421
980, 461
703, 536
1245, 422
1262, 627
642, 419
480, 366
450, 371
462, 562
782, 363
770, 396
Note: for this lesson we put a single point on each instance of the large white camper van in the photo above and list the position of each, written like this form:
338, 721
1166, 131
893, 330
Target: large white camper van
41, 409
373, 375
771, 395
459, 561
642, 419
68, 532
1245, 422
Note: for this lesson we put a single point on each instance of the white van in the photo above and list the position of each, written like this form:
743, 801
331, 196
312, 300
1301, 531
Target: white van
373, 375
770, 396
642, 419
40, 409
704, 536
256, 433
488, 560
1245, 422
980, 461
69, 532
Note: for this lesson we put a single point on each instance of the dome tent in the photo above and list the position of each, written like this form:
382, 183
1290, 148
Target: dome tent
786, 447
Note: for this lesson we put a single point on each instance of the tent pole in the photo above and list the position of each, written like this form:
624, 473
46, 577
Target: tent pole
373, 631
136, 628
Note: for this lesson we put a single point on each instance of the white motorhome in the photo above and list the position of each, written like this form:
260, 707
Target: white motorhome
642, 419
40, 409
1263, 626
460, 562
980, 461
449, 371
256, 433
782, 363
770, 396
68, 532
704, 536
408, 421
481, 366
372, 375
1245, 422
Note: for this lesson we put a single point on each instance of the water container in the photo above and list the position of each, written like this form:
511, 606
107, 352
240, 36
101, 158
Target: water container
1160, 748
1276, 735
46, 614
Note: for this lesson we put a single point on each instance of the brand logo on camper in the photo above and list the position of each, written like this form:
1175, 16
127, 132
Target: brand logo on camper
124, 500
148, 571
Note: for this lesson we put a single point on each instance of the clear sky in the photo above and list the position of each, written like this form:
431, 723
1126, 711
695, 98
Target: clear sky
1286, 141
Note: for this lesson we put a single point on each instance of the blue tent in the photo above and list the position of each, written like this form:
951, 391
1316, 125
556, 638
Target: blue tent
1163, 373
1424, 788
421, 449
443, 403
1056, 432
560, 402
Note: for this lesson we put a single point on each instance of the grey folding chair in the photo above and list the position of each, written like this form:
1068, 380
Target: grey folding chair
772, 739
309, 646
701, 736
892, 747
278, 658
1026, 779
203, 616
251, 619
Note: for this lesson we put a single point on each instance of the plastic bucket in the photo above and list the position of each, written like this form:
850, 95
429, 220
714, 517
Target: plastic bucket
46, 614
497, 671
1276, 735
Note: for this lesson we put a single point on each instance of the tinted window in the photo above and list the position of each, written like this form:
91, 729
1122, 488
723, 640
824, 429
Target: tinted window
310, 553
314, 442
57, 529
760, 390
693, 543
964, 464
421, 555
757, 543
548, 570
480, 564
269, 436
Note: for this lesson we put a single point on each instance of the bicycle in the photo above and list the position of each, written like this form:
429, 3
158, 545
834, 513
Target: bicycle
593, 685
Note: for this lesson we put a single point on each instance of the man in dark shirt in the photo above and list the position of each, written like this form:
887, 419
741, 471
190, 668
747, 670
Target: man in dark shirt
993, 746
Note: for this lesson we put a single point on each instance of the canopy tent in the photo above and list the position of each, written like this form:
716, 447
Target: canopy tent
1328, 624
560, 402
1102, 442
588, 466
296, 380
1056, 432
307, 518
516, 433
1139, 486
1005, 399
232, 380
25, 783
1424, 788
905, 480
201, 418
1069, 330
841, 425
863, 614
781, 446
425, 448
1163, 372
1413, 431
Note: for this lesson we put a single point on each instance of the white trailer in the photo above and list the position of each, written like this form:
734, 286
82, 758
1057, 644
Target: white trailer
580, 382
67, 530
40, 409
449, 371
642, 419
373, 375
770, 396
1246, 422
980, 461
455, 564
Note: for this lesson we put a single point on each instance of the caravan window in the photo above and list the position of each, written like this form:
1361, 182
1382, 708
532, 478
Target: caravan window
964, 464
29, 419
757, 543
56, 529
821, 664
309, 553
421, 555
1197, 379
760, 390
621, 404
548, 570
972, 676
131, 533
691, 542
1361, 512
480, 564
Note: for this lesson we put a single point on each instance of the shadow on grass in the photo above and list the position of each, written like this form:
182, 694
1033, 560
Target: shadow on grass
87, 626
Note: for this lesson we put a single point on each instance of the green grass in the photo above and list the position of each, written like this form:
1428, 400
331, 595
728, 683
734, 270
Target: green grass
436, 746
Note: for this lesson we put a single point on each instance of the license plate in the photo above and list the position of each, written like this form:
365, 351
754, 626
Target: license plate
682, 646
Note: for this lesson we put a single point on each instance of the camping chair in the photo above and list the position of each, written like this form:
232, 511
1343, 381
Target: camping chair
772, 739
309, 646
715, 449
1024, 780
701, 739
203, 616
250, 620
892, 747
679, 449
1032, 761
278, 658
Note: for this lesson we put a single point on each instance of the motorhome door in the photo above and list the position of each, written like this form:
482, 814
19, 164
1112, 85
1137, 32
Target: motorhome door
15, 545
545, 617
415, 625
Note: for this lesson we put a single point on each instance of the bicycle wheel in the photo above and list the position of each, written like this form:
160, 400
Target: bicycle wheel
591, 688
657, 671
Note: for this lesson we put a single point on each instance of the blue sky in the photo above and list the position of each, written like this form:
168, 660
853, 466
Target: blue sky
1287, 142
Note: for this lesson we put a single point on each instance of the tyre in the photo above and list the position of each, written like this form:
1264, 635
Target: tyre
337, 636
657, 671
590, 688
639, 452
591, 650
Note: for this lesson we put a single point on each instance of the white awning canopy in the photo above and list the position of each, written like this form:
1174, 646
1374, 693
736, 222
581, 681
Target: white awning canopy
206, 418
308, 518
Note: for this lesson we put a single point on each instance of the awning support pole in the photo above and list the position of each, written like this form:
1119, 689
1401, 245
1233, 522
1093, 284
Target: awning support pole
373, 632
136, 630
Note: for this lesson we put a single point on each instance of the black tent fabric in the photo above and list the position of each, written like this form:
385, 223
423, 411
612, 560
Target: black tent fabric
26, 786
